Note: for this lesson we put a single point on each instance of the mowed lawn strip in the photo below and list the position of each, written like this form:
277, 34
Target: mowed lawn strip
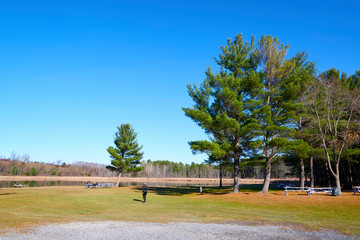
26, 207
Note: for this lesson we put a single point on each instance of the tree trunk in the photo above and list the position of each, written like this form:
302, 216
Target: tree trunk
311, 171
266, 185
236, 174
337, 178
118, 181
302, 173
327, 174
220, 174
349, 178
302, 165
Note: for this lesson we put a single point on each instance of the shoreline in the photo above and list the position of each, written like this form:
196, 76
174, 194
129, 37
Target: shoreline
137, 179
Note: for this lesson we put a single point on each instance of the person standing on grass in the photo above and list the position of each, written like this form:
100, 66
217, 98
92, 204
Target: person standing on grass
144, 190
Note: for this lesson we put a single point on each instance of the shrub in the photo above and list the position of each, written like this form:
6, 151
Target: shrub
33, 171
14, 170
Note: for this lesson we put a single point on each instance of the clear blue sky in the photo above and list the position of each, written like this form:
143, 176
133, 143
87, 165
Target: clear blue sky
71, 71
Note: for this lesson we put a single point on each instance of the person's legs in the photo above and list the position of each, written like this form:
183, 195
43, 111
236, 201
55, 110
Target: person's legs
144, 197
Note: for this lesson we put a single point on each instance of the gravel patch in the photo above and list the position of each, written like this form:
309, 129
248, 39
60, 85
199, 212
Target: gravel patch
165, 231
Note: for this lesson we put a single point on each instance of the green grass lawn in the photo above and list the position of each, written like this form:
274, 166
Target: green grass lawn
32, 206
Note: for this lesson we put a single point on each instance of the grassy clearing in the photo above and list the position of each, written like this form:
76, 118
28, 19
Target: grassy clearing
32, 206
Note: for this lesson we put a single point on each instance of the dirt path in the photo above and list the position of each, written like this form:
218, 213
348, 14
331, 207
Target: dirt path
170, 231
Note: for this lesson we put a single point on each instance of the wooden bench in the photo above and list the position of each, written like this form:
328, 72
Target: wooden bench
356, 189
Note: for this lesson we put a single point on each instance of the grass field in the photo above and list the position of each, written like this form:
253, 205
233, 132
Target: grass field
20, 208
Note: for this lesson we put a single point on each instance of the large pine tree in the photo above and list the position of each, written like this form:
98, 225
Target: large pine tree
282, 81
223, 102
126, 155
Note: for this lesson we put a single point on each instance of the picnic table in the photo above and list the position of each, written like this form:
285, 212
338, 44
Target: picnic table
309, 190
292, 189
98, 185
356, 189
327, 190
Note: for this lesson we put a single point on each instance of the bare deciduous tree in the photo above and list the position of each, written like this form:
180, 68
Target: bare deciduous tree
332, 109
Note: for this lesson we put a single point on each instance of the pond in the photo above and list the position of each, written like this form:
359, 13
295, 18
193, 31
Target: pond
13, 184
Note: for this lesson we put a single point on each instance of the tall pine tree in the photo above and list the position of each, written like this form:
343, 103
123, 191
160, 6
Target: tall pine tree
276, 112
295, 87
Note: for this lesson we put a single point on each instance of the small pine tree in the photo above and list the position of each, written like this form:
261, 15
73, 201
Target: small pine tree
126, 156
14, 170
33, 171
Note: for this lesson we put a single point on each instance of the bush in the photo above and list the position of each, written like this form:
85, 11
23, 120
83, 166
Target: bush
27, 173
14, 170
33, 171
53, 173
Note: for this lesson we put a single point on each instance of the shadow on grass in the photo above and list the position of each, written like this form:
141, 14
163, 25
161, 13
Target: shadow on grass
138, 200
173, 191
1, 194
180, 191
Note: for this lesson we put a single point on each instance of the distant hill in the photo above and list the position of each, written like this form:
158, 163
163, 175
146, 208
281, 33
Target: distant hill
17, 167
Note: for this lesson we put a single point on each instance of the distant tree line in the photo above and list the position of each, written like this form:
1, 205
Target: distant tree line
164, 169
157, 168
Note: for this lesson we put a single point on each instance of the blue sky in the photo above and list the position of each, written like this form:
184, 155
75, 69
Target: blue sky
71, 71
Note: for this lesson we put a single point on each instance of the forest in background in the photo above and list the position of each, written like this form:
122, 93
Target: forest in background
21, 165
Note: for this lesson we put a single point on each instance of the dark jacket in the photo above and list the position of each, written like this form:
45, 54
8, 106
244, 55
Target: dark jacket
144, 189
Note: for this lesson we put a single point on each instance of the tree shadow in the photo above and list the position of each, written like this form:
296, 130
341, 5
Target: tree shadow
6, 193
252, 187
212, 190
173, 191
180, 191
218, 190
